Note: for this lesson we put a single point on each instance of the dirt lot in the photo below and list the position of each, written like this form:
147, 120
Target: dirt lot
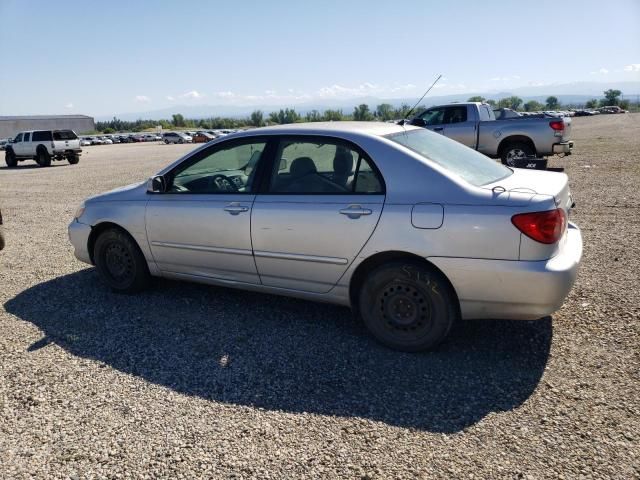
187, 380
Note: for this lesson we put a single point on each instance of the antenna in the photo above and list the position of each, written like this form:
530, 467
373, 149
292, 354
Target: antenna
404, 118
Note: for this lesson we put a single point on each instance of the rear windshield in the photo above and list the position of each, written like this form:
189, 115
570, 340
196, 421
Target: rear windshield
472, 166
64, 135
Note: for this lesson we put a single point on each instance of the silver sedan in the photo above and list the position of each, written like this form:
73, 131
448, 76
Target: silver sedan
411, 230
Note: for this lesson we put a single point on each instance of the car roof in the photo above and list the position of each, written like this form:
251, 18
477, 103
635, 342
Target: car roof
320, 128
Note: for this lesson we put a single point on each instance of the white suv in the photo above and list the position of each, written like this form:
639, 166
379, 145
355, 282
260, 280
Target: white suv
44, 146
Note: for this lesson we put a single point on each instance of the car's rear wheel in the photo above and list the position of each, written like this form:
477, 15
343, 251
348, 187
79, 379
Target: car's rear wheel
120, 262
516, 151
407, 306
10, 159
73, 159
43, 158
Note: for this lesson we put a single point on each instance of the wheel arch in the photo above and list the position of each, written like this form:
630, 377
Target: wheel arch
101, 227
515, 139
368, 265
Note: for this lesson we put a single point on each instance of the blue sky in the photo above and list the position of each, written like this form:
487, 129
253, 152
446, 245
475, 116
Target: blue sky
116, 57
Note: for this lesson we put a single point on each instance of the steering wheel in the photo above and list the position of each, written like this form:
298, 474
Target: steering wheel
222, 182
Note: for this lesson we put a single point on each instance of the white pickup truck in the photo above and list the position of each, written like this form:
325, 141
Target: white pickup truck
513, 139
43, 146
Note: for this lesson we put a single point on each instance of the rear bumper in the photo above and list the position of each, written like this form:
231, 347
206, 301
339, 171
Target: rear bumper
68, 151
518, 290
79, 238
563, 147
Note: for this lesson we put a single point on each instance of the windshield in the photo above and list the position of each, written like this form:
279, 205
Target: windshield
472, 166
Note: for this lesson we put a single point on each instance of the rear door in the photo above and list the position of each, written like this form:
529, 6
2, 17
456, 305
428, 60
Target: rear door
316, 210
65, 139
460, 125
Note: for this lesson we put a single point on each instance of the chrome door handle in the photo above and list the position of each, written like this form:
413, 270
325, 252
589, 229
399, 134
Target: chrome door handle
235, 209
355, 211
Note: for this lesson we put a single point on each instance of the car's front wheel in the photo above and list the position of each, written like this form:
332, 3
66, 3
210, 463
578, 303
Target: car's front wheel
120, 262
407, 306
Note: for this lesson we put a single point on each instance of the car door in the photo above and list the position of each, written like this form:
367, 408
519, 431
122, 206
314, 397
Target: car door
200, 225
25, 145
460, 126
17, 145
319, 206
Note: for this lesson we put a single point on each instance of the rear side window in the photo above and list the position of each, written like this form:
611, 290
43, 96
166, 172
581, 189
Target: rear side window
26, 137
323, 166
455, 114
42, 136
18, 138
486, 113
64, 135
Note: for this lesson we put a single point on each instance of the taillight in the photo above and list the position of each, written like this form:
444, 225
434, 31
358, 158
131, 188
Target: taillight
544, 227
557, 125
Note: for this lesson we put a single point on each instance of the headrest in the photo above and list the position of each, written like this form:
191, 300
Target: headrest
343, 162
302, 166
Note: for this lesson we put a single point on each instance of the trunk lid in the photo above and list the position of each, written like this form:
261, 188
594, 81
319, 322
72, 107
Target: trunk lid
538, 182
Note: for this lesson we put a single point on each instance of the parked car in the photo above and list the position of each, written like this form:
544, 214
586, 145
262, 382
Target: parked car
410, 229
85, 142
96, 141
176, 137
3, 143
513, 139
43, 146
1, 233
203, 137
124, 139
136, 138
106, 141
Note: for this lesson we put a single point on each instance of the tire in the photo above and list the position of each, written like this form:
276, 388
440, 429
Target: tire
73, 159
166, 142
407, 306
120, 262
43, 158
181, 141
10, 159
515, 151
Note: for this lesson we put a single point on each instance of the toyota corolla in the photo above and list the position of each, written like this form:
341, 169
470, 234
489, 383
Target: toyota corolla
411, 230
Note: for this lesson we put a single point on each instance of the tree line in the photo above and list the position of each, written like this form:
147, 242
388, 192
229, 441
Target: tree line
611, 98
383, 112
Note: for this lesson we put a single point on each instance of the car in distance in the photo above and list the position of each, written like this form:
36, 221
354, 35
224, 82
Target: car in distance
176, 137
410, 229
203, 137
43, 146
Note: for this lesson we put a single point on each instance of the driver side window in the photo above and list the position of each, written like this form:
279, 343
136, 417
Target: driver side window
225, 170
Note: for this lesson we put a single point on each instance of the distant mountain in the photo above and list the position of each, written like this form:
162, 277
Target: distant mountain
569, 93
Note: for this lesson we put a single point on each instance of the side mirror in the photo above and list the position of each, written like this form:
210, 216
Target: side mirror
418, 122
283, 164
156, 184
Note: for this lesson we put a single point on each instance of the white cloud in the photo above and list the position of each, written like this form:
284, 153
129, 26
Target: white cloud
68, 106
192, 94
226, 94
270, 92
170, 98
361, 90
602, 71
142, 99
634, 67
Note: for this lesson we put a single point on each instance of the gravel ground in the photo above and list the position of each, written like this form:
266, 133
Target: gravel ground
191, 381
